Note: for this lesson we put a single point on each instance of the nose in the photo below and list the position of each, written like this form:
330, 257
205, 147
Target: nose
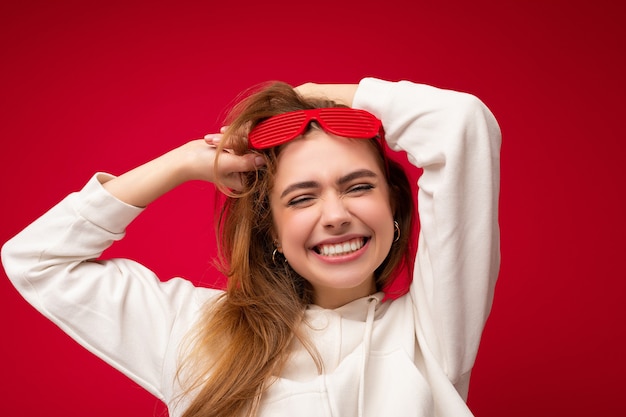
334, 213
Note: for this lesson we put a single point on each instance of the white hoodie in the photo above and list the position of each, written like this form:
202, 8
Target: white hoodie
408, 357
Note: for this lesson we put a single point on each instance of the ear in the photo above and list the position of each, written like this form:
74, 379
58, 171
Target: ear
277, 244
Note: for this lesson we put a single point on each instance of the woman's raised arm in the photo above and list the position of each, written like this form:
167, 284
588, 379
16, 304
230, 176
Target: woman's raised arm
456, 140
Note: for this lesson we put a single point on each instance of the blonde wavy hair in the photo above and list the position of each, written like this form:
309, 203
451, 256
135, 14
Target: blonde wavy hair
243, 338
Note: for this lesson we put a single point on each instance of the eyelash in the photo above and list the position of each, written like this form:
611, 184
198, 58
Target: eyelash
298, 201
359, 188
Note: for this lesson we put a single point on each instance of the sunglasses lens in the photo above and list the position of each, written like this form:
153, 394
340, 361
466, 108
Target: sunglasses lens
351, 123
277, 130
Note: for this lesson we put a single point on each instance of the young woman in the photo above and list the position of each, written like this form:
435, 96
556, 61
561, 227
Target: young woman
316, 225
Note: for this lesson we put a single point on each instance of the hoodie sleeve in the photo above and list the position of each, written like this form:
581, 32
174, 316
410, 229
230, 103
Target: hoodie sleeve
117, 309
456, 140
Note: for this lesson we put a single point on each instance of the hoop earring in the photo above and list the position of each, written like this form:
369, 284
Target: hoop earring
274, 252
396, 231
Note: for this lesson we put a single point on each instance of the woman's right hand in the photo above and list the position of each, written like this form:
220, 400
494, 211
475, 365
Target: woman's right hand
194, 160
200, 156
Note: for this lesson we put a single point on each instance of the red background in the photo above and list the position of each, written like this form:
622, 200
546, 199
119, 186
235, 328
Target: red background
89, 87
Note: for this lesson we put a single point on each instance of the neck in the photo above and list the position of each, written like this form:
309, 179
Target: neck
331, 298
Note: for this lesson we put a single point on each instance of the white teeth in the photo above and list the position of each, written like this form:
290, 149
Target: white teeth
341, 248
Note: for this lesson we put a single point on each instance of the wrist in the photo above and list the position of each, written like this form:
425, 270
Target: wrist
177, 166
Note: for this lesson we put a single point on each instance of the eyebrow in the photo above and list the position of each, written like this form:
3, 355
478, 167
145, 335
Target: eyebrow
361, 173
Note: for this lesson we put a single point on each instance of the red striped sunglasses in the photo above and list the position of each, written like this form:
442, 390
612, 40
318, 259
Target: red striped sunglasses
340, 121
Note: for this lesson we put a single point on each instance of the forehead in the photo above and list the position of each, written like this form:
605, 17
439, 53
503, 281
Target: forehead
319, 152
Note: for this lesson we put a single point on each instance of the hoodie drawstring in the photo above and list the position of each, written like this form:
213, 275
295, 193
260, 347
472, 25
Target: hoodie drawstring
367, 341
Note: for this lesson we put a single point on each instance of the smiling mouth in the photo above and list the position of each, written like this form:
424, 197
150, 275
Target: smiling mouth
339, 249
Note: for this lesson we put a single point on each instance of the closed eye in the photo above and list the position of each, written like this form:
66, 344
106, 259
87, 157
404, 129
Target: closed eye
360, 188
300, 201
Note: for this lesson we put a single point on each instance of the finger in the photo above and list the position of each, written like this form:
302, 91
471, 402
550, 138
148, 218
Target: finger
233, 182
232, 166
213, 138
223, 129
216, 138
230, 163
259, 161
247, 162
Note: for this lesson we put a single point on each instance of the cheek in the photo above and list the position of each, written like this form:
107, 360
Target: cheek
289, 226
385, 226
294, 225
380, 216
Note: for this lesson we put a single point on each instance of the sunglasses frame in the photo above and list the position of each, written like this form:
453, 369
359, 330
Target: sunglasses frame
340, 121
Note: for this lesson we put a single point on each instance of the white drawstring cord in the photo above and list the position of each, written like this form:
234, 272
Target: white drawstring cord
367, 340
